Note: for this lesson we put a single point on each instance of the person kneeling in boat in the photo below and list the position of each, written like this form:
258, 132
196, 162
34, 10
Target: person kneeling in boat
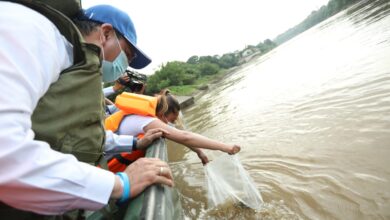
140, 113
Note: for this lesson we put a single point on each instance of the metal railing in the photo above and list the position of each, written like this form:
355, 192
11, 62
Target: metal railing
156, 202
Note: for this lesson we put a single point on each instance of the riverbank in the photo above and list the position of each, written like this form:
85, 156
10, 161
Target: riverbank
187, 94
204, 83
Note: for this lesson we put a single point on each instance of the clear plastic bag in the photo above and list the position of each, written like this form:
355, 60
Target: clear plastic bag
228, 180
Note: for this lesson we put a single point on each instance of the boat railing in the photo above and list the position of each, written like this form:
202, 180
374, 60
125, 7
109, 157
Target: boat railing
156, 202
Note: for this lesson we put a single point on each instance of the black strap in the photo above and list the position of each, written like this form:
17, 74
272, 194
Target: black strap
122, 159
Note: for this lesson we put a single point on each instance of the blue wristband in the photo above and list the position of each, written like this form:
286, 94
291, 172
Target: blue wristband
126, 186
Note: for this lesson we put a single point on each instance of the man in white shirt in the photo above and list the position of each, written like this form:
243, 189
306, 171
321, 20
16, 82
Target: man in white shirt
34, 177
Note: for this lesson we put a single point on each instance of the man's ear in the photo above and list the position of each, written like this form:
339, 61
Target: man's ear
107, 31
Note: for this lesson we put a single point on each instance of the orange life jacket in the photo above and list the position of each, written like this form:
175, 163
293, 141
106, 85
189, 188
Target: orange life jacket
129, 103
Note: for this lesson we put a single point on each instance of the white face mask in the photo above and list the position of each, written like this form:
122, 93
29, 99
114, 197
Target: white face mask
113, 70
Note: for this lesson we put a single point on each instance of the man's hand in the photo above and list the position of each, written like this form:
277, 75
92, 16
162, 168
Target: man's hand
147, 171
119, 84
150, 136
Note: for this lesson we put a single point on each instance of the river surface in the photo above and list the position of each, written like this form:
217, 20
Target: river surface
313, 119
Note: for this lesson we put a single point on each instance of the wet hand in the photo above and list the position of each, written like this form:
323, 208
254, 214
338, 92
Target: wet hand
235, 149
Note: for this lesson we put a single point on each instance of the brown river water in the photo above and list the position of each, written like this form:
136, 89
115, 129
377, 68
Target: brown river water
313, 120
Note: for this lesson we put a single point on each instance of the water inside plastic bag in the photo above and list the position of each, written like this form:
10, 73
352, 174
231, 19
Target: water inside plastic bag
227, 181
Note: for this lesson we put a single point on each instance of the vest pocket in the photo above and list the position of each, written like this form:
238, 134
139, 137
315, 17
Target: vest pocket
84, 149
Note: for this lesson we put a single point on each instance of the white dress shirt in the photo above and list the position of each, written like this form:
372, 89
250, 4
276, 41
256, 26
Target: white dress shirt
116, 144
108, 91
33, 176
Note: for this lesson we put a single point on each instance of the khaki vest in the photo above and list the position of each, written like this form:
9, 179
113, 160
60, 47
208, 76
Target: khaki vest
70, 115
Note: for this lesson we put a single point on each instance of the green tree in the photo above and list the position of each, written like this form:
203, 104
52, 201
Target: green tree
228, 60
174, 73
266, 45
193, 60
333, 7
207, 68
208, 59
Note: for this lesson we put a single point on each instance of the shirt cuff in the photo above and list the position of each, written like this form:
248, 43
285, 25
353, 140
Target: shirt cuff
116, 144
108, 91
99, 187
125, 143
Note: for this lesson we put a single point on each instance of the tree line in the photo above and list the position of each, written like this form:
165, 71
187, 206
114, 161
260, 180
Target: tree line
326, 11
177, 73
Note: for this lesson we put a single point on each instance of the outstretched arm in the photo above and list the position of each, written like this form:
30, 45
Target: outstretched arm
191, 139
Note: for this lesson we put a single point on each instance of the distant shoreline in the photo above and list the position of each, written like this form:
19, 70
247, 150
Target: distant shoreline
187, 100
198, 92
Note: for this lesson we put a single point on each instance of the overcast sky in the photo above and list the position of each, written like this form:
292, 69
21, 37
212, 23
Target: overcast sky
170, 30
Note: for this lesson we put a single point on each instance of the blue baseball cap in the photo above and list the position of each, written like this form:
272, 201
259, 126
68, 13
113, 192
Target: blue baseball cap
121, 21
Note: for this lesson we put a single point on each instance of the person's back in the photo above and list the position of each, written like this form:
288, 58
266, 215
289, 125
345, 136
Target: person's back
134, 124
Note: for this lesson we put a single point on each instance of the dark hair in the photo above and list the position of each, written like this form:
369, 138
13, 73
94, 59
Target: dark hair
166, 103
86, 26
173, 103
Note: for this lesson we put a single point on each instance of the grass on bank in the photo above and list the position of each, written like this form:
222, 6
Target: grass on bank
200, 84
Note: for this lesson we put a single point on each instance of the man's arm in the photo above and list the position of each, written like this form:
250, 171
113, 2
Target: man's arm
116, 144
33, 176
